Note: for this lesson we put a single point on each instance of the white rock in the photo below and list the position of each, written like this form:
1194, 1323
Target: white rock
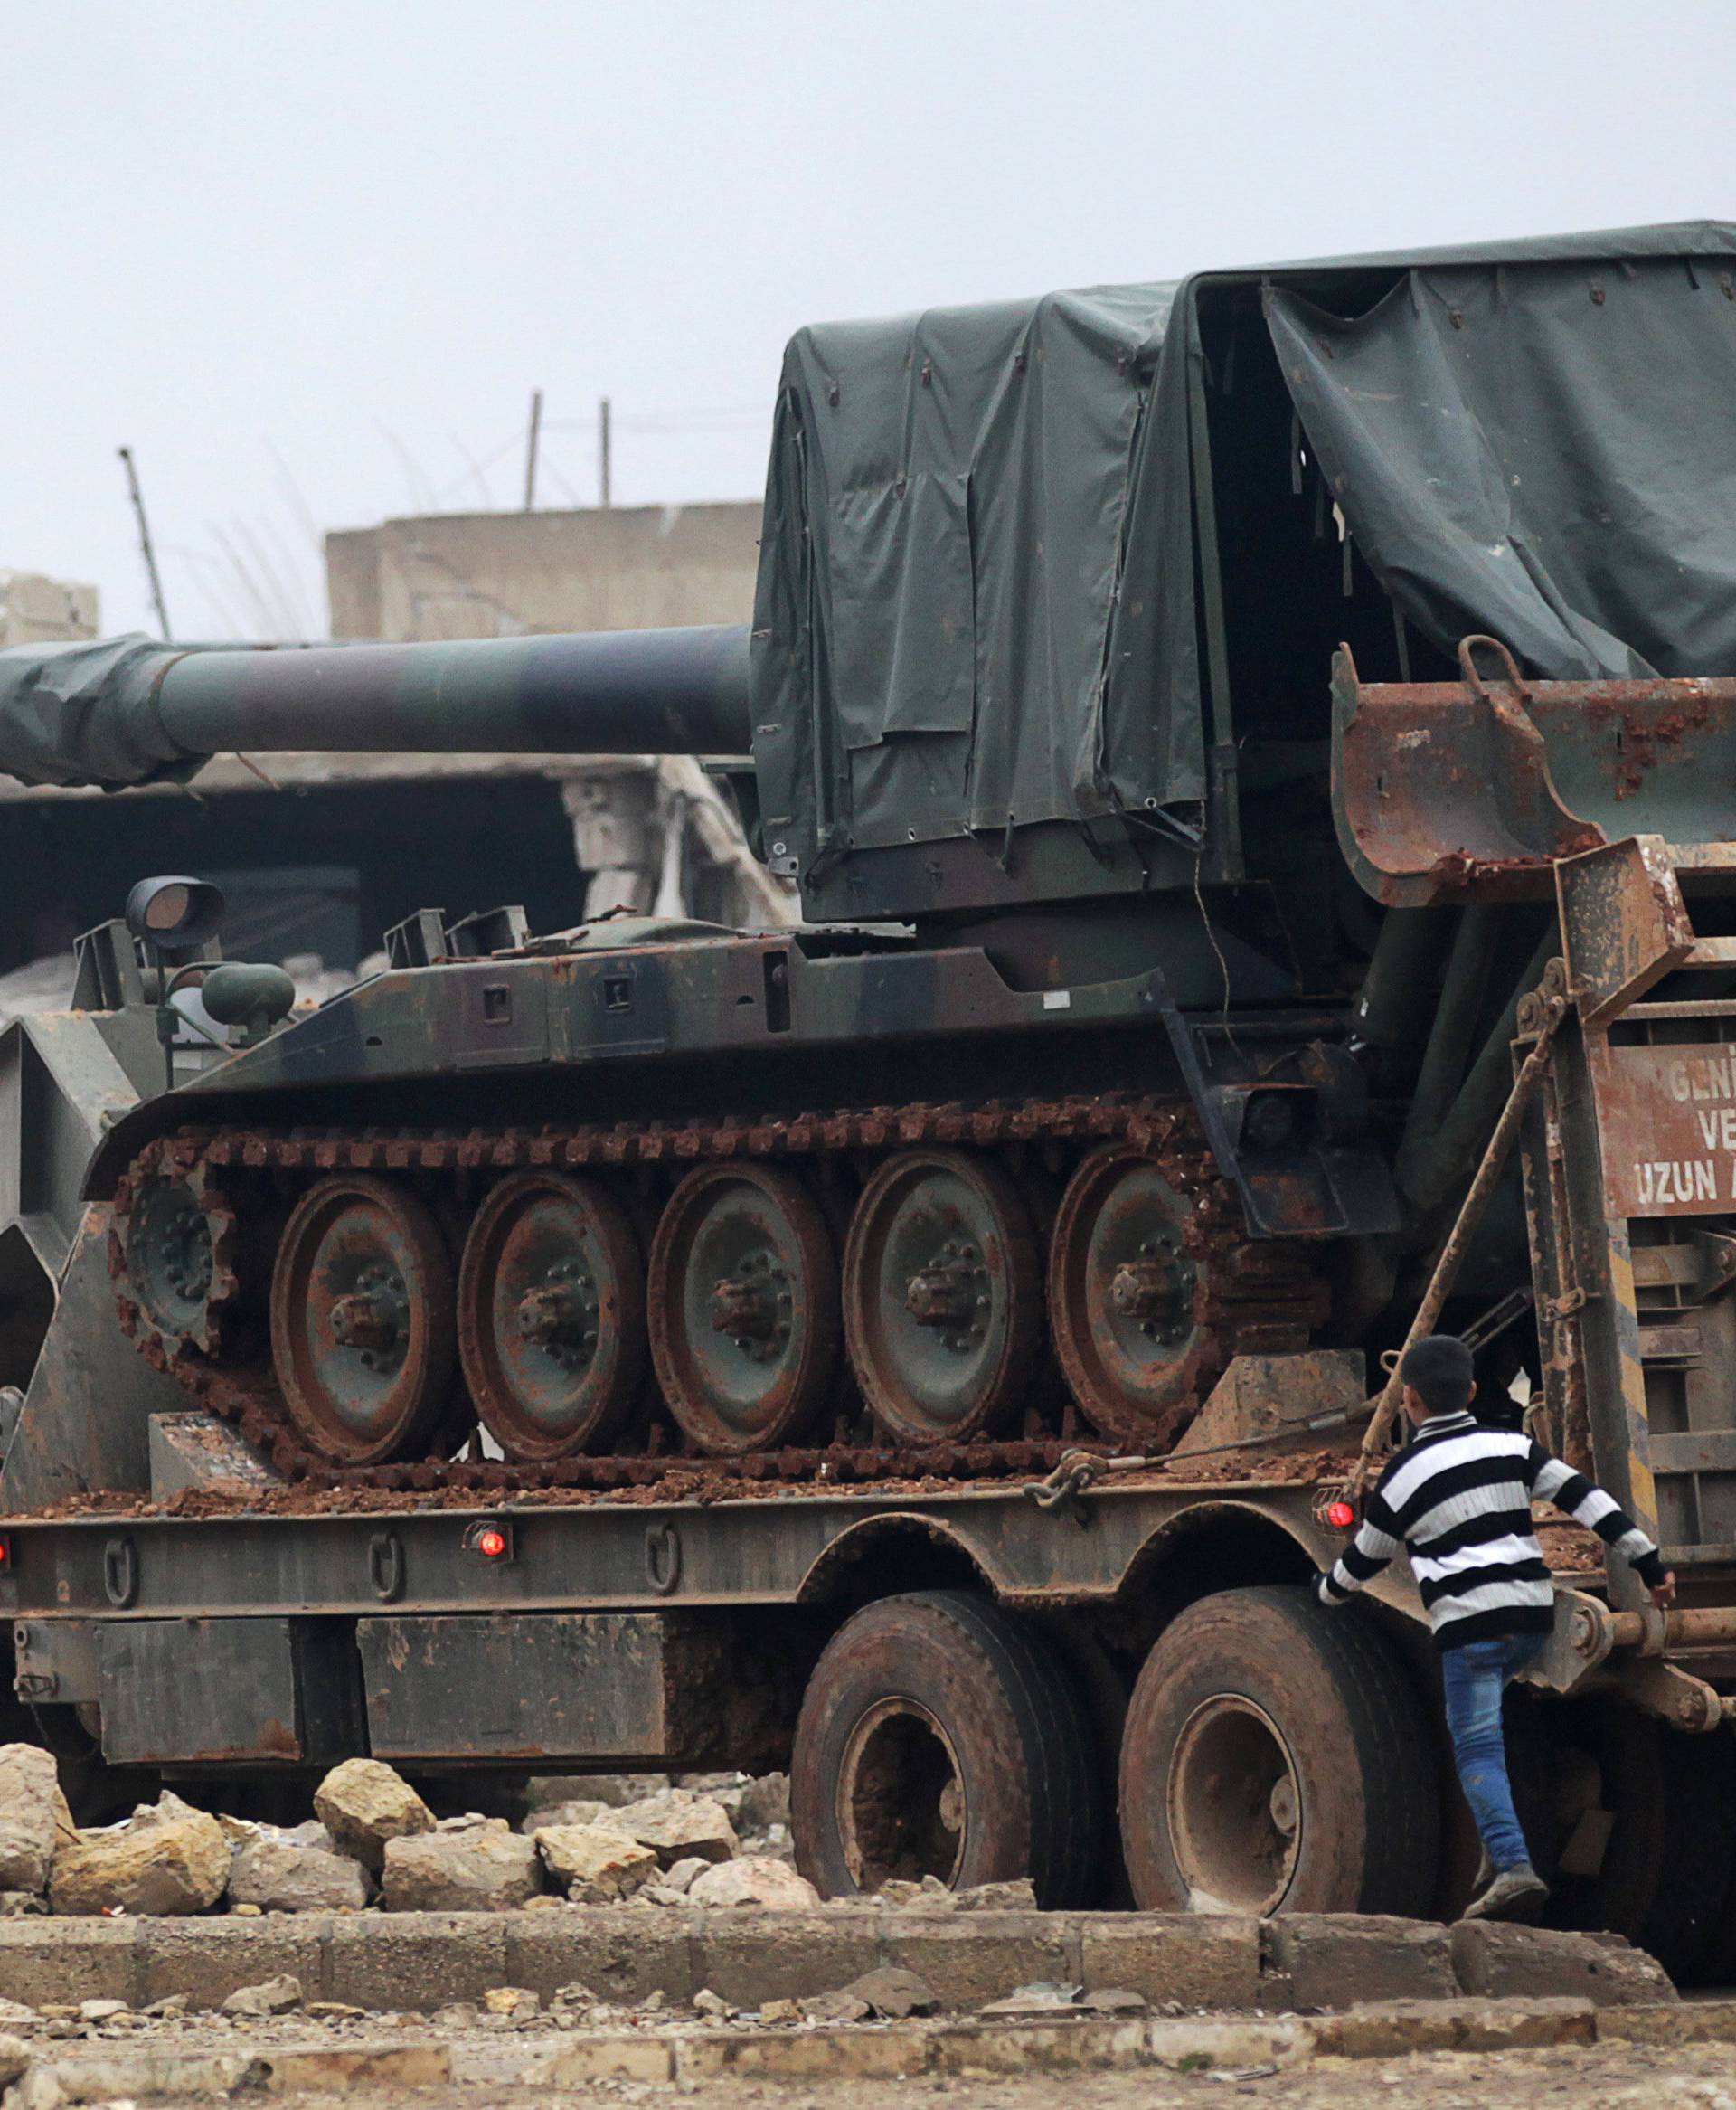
1016, 1895
930, 1894
771, 1884
489, 1868
364, 1804
681, 1826
280, 1876
14, 2059
313, 1833
725, 1789
168, 1859
593, 1862
681, 1877
34, 1817
271, 1996
38, 2090
892, 1992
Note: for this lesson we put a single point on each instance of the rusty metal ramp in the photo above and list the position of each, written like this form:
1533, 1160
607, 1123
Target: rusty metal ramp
1469, 791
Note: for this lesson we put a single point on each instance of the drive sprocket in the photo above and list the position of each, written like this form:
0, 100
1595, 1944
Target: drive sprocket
172, 1253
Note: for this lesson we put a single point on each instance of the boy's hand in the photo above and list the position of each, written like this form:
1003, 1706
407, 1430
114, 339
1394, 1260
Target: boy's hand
1663, 1594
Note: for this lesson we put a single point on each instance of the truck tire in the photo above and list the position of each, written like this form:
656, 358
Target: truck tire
1664, 1871
1276, 1759
939, 1736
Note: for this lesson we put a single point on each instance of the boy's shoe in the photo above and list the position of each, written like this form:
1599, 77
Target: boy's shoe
1516, 1893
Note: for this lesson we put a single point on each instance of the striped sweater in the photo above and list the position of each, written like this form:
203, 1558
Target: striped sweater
1457, 1499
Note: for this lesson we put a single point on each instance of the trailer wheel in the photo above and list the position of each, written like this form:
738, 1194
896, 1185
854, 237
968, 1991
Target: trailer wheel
938, 1737
1631, 1823
1276, 1759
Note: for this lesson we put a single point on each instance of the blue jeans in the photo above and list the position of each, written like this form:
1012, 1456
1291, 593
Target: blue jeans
1475, 1676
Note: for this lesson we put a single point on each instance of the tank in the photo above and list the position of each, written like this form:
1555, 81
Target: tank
1171, 704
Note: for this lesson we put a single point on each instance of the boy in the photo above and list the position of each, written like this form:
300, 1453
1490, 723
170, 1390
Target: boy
1458, 1499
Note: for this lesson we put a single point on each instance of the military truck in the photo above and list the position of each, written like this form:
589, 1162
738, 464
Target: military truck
1251, 754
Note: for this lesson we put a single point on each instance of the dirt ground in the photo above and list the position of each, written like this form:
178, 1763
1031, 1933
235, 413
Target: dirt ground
1699, 2077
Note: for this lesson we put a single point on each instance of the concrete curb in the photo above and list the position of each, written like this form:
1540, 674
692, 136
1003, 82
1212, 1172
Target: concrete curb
415, 1963
891, 2051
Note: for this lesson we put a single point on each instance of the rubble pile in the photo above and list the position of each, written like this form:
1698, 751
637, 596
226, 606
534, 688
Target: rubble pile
711, 1839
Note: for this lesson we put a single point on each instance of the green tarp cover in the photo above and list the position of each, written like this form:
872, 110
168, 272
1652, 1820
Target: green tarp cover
86, 714
981, 589
1546, 454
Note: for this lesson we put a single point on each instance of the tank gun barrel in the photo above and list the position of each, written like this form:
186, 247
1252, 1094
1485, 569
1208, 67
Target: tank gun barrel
132, 711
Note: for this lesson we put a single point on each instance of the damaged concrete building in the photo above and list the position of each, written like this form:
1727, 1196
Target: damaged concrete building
35, 609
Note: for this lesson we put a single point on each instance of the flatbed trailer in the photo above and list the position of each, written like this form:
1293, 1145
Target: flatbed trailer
246, 1648
608, 1633
1115, 1681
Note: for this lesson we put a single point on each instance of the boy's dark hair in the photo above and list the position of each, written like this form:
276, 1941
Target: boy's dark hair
1438, 1369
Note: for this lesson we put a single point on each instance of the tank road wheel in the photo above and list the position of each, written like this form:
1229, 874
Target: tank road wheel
942, 1295
1123, 1298
1276, 1760
361, 1326
938, 1737
174, 1246
551, 1314
744, 1306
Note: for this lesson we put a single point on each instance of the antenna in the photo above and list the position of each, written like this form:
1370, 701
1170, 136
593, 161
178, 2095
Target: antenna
138, 496
603, 452
529, 450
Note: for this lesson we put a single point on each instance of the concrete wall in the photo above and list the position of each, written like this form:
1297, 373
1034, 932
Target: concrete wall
35, 610
501, 575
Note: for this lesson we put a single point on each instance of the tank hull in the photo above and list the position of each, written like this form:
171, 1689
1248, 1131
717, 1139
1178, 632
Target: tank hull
732, 1195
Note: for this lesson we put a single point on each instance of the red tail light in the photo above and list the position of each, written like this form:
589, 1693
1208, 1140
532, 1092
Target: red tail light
489, 1540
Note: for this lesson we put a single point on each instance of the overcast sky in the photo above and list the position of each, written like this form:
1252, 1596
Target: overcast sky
309, 260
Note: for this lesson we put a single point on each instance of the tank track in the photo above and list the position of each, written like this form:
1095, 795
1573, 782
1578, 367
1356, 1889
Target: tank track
1254, 1296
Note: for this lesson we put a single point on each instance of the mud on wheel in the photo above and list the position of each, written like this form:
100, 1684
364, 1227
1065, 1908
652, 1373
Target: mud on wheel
551, 1314
362, 1319
743, 1301
171, 1248
935, 1250
939, 1736
943, 1295
1276, 1759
